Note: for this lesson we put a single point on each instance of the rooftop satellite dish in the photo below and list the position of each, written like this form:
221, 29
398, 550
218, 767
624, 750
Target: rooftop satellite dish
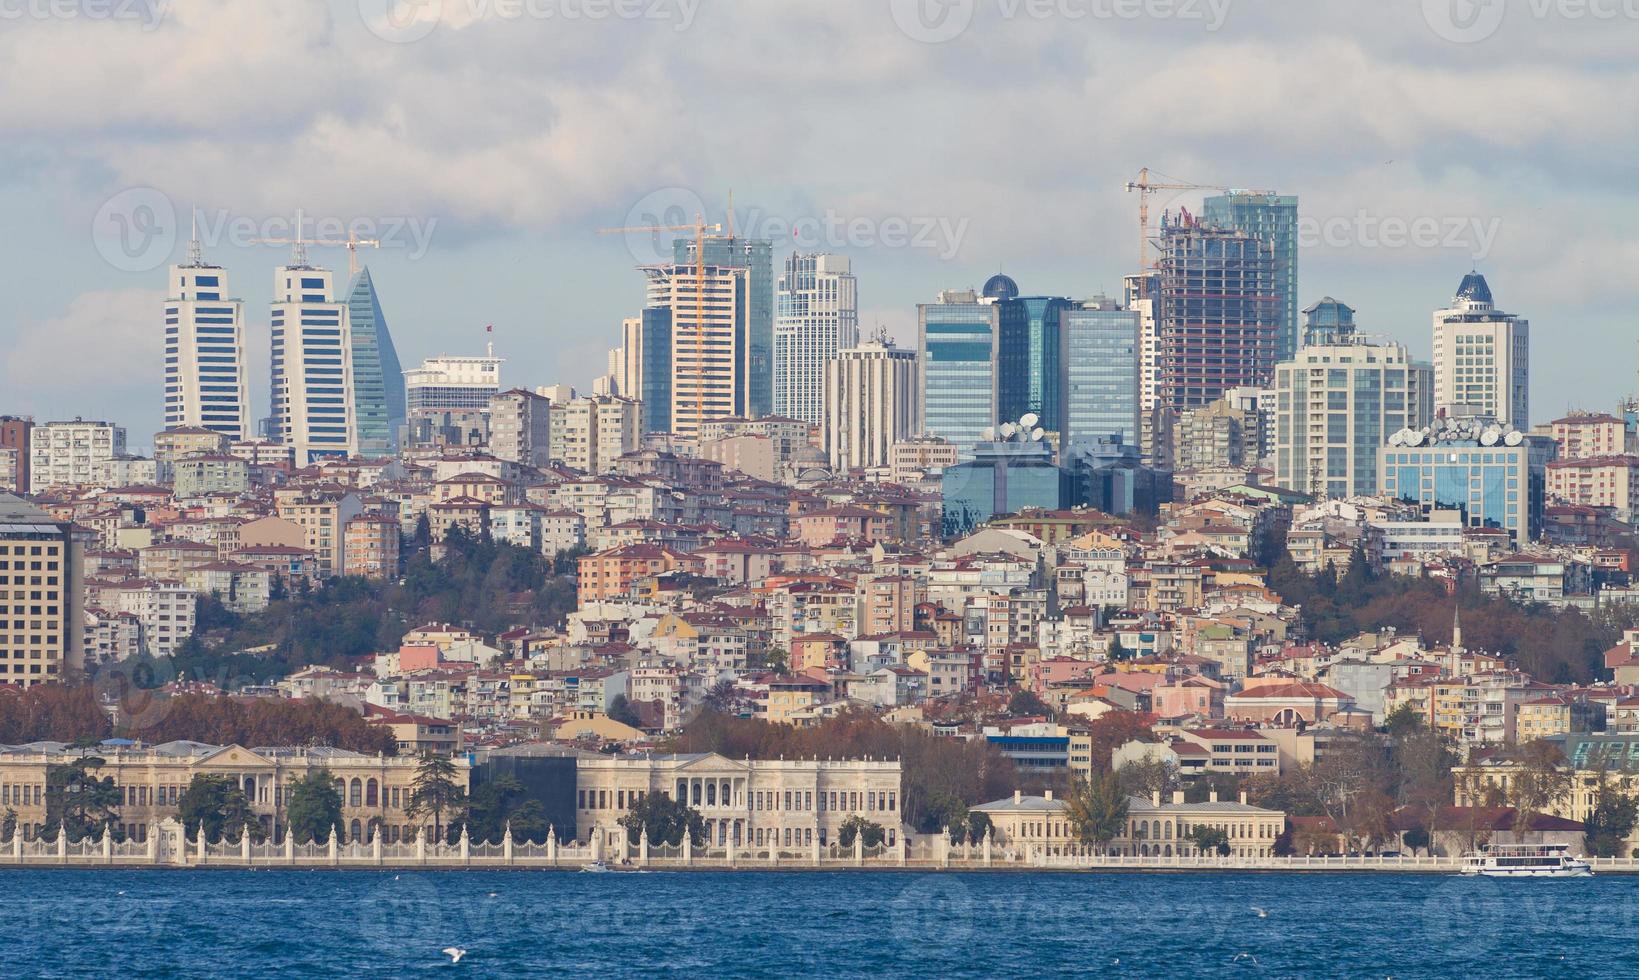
1009, 430
1398, 439
1037, 433
1415, 438
1029, 420
1513, 438
1489, 437
989, 434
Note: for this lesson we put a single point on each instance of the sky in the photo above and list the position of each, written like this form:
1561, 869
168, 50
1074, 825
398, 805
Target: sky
936, 142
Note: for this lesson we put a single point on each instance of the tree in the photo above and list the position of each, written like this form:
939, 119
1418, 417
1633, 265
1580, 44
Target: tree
621, 710
1096, 808
1145, 777
433, 792
663, 821
1349, 783
1612, 820
1209, 839
78, 801
1417, 838
313, 806
500, 803
979, 826
8, 825
871, 834
1540, 779
1115, 729
1115, 651
1026, 703
217, 803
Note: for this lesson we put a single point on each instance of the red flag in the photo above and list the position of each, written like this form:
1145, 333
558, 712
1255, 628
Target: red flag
490, 328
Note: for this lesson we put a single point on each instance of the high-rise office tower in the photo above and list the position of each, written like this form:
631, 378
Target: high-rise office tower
956, 377
870, 404
816, 315
1339, 400
205, 383
1482, 357
1218, 313
1142, 295
1029, 353
1101, 371
42, 605
453, 383
1272, 219
378, 378
755, 338
312, 364
707, 357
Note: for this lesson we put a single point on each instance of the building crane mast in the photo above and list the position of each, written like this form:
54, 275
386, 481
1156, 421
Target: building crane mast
299, 247
1145, 187
699, 228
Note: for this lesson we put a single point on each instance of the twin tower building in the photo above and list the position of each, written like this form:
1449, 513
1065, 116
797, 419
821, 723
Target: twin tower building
337, 386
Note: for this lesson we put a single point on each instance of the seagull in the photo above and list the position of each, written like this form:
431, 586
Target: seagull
122, 893
454, 953
1246, 956
493, 894
1262, 912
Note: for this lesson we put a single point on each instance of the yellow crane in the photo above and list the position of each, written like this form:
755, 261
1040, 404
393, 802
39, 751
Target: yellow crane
1146, 187
299, 244
699, 228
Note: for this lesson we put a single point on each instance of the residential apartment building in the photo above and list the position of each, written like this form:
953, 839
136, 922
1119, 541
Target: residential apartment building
42, 606
520, 427
869, 405
66, 454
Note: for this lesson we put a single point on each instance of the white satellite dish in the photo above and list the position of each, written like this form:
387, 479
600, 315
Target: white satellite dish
1037, 433
1009, 430
1513, 438
1029, 420
1415, 438
989, 434
1489, 437
1398, 439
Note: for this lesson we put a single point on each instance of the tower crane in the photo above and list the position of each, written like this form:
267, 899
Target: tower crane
1145, 187
299, 247
699, 228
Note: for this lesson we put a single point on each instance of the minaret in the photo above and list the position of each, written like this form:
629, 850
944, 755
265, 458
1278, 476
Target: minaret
1457, 626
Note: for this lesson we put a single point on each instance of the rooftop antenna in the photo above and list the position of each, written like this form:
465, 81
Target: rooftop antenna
731, 212
298, 248
196, 255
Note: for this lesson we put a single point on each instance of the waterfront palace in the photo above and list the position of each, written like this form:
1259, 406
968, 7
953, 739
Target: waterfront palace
1037, 824
375, 789
751, 803
789, 802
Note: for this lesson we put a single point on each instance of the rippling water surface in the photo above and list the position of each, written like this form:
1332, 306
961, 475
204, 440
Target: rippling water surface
756, 924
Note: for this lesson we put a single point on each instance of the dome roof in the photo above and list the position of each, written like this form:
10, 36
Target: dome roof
1474, 288
999, 286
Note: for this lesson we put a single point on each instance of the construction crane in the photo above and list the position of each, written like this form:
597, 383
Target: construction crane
699, 228
1145, 187
299, 247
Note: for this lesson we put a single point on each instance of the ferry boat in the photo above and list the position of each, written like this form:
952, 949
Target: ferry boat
1526, 861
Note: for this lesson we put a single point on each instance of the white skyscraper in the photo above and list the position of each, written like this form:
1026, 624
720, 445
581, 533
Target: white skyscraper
816, 315
204, 351
312, 366
1482, 357
869, 403
710, 360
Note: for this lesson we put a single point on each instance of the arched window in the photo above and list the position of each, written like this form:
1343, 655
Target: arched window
372, 793
355, 791
354, 831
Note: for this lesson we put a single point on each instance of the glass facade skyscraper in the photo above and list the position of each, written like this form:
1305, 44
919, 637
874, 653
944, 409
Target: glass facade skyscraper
378, 378
1030, 359
956, 338
1101, 371
1273, 219
656, 391
818, 316
755, 332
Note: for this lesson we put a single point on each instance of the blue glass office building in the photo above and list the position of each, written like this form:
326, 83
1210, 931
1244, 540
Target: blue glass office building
1030, 359
956, 338
1003, 478
1493, 486
1100, 371
378, 378
657, 369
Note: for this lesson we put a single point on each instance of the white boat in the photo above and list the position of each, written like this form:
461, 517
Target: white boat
1525, 861
597, 867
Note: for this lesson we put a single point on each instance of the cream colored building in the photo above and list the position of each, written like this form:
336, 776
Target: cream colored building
755, 803
323, 520
1154, 829
374, 789
1597, 481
